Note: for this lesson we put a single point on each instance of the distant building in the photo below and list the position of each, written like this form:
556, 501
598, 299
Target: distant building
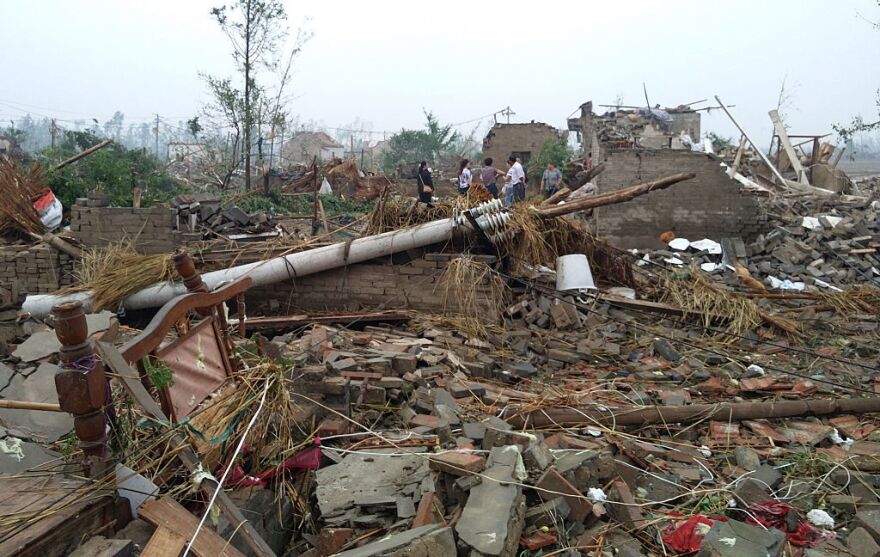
305, 146
187, 152
10, 149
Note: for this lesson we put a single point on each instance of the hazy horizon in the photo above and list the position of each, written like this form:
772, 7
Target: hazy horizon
382, 63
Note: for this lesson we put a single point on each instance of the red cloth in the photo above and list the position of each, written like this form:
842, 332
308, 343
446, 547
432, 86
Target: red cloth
46, 199
686, 537
774, 514
306, 459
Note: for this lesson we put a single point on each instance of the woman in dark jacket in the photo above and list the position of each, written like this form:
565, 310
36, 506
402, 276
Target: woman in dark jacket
425, 183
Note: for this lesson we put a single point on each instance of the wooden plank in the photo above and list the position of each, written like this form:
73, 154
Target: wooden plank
786, 145
167, 513
164, 543
734, 168
294, 321
59, 532
132, 383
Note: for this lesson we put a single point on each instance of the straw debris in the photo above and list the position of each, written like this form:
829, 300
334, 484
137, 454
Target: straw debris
116, 271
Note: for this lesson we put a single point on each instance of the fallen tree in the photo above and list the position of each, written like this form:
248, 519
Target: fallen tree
725, 411
614, 197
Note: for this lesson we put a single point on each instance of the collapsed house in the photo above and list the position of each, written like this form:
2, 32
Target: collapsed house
304, 146
642, 145
435, 381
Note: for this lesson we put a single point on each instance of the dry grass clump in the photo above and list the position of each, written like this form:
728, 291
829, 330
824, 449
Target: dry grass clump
116, 271
539, 241
19, 189
699, 296
394, 213
474, 294
860, 300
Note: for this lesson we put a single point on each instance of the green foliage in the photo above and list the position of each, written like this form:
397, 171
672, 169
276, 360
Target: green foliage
857, 125
555, 151
718, 142
193, 126
161, 376
276, 204
114, 169
412, 146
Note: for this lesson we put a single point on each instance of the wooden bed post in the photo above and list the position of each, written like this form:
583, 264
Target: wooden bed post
192, 279
81, 385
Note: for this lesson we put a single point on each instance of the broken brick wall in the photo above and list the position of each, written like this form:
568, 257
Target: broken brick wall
709, 206
367, 286
153, 230
505, 139
37, 269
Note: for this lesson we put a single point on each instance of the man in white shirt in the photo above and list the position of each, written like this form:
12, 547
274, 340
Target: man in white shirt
516, 182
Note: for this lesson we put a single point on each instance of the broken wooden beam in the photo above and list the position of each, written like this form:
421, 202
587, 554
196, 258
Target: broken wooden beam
724, 411
294, 321
58, 243
28, 405
614, 197
168, 514
84, 154
564, 193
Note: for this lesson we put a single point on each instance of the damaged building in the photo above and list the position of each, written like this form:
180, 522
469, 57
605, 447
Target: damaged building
523, 141
642, 145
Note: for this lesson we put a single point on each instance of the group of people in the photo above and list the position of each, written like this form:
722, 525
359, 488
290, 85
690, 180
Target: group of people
515, 180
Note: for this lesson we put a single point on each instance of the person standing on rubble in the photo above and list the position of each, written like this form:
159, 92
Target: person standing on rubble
489, 174
516, 186
464, 177
550, 180
425, 184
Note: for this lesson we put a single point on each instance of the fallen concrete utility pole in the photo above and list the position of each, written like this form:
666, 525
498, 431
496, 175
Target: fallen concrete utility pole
84, 154
611, 198
581, 182
724, 411
325, 258
278, 269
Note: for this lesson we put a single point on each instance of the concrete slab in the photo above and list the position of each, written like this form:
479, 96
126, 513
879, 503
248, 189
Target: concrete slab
39, 386
360, 476
492, 519
425, 541
43, 344
17, 456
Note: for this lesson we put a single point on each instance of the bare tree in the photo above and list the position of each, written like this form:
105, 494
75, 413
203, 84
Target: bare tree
255, 28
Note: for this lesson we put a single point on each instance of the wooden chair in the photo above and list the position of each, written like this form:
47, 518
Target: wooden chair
200, 359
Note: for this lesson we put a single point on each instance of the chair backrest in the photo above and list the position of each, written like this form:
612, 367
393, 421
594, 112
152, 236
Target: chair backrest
199, 359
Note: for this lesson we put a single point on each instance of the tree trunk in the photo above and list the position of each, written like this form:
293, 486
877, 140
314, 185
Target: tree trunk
723, 411
247, 96
610, 198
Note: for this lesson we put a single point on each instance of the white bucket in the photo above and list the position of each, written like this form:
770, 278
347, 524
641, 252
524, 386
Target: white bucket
573, 273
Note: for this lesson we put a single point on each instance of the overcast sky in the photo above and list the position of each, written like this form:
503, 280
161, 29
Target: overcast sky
383, 61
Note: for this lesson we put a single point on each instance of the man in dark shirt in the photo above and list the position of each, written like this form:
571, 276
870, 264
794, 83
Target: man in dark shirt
489, 174
425, 185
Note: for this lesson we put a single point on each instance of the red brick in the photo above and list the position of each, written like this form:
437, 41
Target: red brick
552, 480
457, 463
538, 540
331, 540
427, 511
425, 421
